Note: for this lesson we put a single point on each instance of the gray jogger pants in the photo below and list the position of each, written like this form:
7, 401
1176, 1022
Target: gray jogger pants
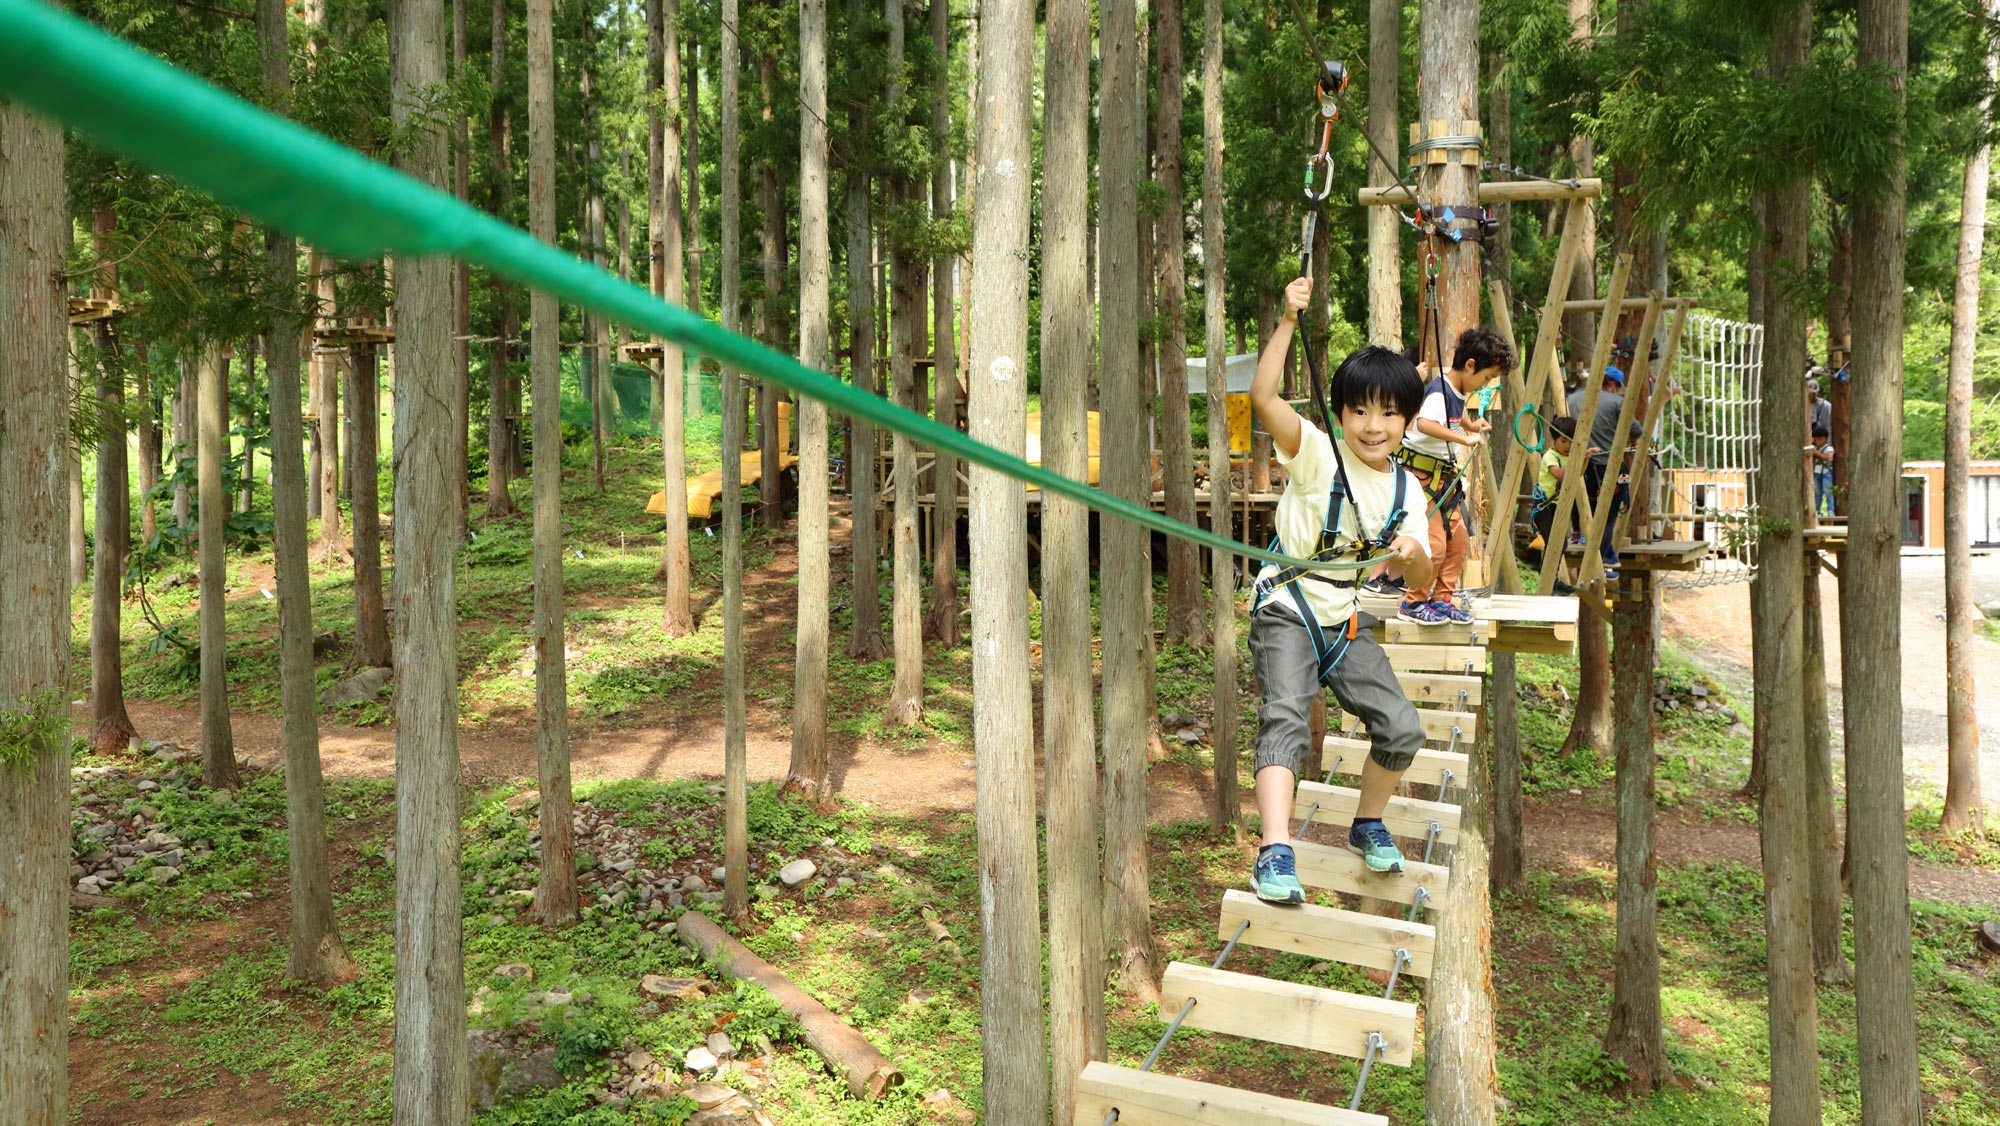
1363, 682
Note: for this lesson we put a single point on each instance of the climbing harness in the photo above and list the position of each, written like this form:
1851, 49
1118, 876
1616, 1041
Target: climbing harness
1369, 548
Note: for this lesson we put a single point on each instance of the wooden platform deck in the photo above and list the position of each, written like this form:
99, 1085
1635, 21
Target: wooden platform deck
354, 330
1657, 555
704, 491
97, 307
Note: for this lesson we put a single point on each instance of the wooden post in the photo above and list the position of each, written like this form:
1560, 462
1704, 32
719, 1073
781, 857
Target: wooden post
1634, 1037
1385, 229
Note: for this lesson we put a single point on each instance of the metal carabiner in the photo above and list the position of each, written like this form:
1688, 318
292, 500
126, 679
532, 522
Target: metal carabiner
1325, 161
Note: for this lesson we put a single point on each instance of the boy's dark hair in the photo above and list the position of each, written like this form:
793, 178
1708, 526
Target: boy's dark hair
1565, 426
1820, 430
1375, 375
1484, 346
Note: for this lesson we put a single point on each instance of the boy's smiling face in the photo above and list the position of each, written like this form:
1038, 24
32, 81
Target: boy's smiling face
1373, 431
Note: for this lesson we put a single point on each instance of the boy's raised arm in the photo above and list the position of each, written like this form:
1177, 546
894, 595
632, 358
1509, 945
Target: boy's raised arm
1278, 417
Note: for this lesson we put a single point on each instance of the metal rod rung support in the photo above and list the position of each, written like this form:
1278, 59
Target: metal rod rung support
1396, 971
1431, 840
1153, 1056
1376, 1045
1418, 901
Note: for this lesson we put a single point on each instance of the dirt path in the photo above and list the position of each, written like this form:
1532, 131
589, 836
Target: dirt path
1713, 624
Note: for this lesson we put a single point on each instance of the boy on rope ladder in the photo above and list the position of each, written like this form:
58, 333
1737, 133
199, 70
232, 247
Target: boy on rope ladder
1480, 357
1344, 499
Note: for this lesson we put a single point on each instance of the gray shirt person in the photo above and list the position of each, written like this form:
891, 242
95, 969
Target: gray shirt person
1604, 425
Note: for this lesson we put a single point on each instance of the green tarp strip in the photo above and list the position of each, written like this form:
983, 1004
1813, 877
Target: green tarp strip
282, 174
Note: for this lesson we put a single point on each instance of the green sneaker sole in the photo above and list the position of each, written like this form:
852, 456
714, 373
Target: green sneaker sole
1378, 864
1277, 892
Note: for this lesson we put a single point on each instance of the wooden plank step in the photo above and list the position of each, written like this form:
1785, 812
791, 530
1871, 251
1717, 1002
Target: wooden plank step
1397, 630
1281, 1012
1330, 933
1517, 637
1443, 688
1405, 817
1406, 657
1147, 1098
1525, 608
1436, 722
1427, 769
1337, 868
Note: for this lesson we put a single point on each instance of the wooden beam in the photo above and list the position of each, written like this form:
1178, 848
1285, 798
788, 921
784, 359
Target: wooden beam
1441, 658
1330, 933
1347, 756
1597, 306
1637, 383
1642, 467
1405, 817
1279, 1012
1449, 633
1147, 1098
1540, 369
1443, 688
1436, 722
1525, 608
1496, 191
1567, 501
1498, 547
1339, 868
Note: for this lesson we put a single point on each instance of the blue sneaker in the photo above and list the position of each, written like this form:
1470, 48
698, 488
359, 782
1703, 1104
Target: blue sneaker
1451, 612
1377, 848
1422, 613
1275, 879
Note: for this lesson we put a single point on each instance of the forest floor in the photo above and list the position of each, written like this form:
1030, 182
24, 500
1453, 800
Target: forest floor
181, 1015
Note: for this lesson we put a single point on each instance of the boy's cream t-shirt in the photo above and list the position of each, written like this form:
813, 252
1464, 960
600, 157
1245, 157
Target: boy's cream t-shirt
1301, 515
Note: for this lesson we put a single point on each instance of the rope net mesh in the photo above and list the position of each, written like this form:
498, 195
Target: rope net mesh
1706, 486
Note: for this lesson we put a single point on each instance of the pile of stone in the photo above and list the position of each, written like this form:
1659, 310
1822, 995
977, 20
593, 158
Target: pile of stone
120, 821
1698, 697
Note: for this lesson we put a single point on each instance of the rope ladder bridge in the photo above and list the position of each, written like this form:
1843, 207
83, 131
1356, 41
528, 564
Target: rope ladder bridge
281, 174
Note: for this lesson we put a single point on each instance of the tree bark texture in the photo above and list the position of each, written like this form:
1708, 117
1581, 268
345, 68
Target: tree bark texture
735, 748
1385, 229
1076, 885
317, 955
906, 630
678, 563
1125, 549
1634, 1038
555, 889
814, 624
149, 446
1510, 866
430, 1050
864, 636
1016, 1065
34, 616
1871, 639
499, 428
1779, 642
941, 624
1187, 618
79, 542
1458, 1016
1963, 800
1227, 808
326, 375
1590, 725
1823, 838
461, 290
771, 244
371, 620
218, 746
1839, 330
111, 727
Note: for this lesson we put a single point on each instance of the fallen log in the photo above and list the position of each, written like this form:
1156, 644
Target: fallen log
867, 1071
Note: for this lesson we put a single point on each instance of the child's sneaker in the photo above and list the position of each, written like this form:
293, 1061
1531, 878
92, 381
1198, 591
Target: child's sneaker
1422, 613
1383, 585
1377, 848
1275, 878
1451, 612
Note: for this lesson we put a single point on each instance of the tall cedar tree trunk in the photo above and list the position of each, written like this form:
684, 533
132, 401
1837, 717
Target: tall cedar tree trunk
677, 563
249, 422
149, 444
79, 543
317, 954
1187, 619
555, 890
111, 727
499, 429
1579, 329
1634, 1038
1385, 229
1779, 639
691, 132
735, 752
1871, 634
1458, 1016
1125, 549
809, 691
1823, 837
1840, 331
1076, 886
941, 625
218, 745
771, 205
461, 294
1010, 950
596, 365
364, 414
1227, 809
656, 184
34, 617
184, 444
906, 693
327, 369
864, 637
1962, 798
430, 1049
1510, 864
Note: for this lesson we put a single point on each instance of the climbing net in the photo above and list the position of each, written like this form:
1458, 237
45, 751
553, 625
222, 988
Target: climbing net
1705, 488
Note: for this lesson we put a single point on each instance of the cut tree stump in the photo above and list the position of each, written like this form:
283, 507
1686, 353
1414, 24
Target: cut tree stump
867, 1071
